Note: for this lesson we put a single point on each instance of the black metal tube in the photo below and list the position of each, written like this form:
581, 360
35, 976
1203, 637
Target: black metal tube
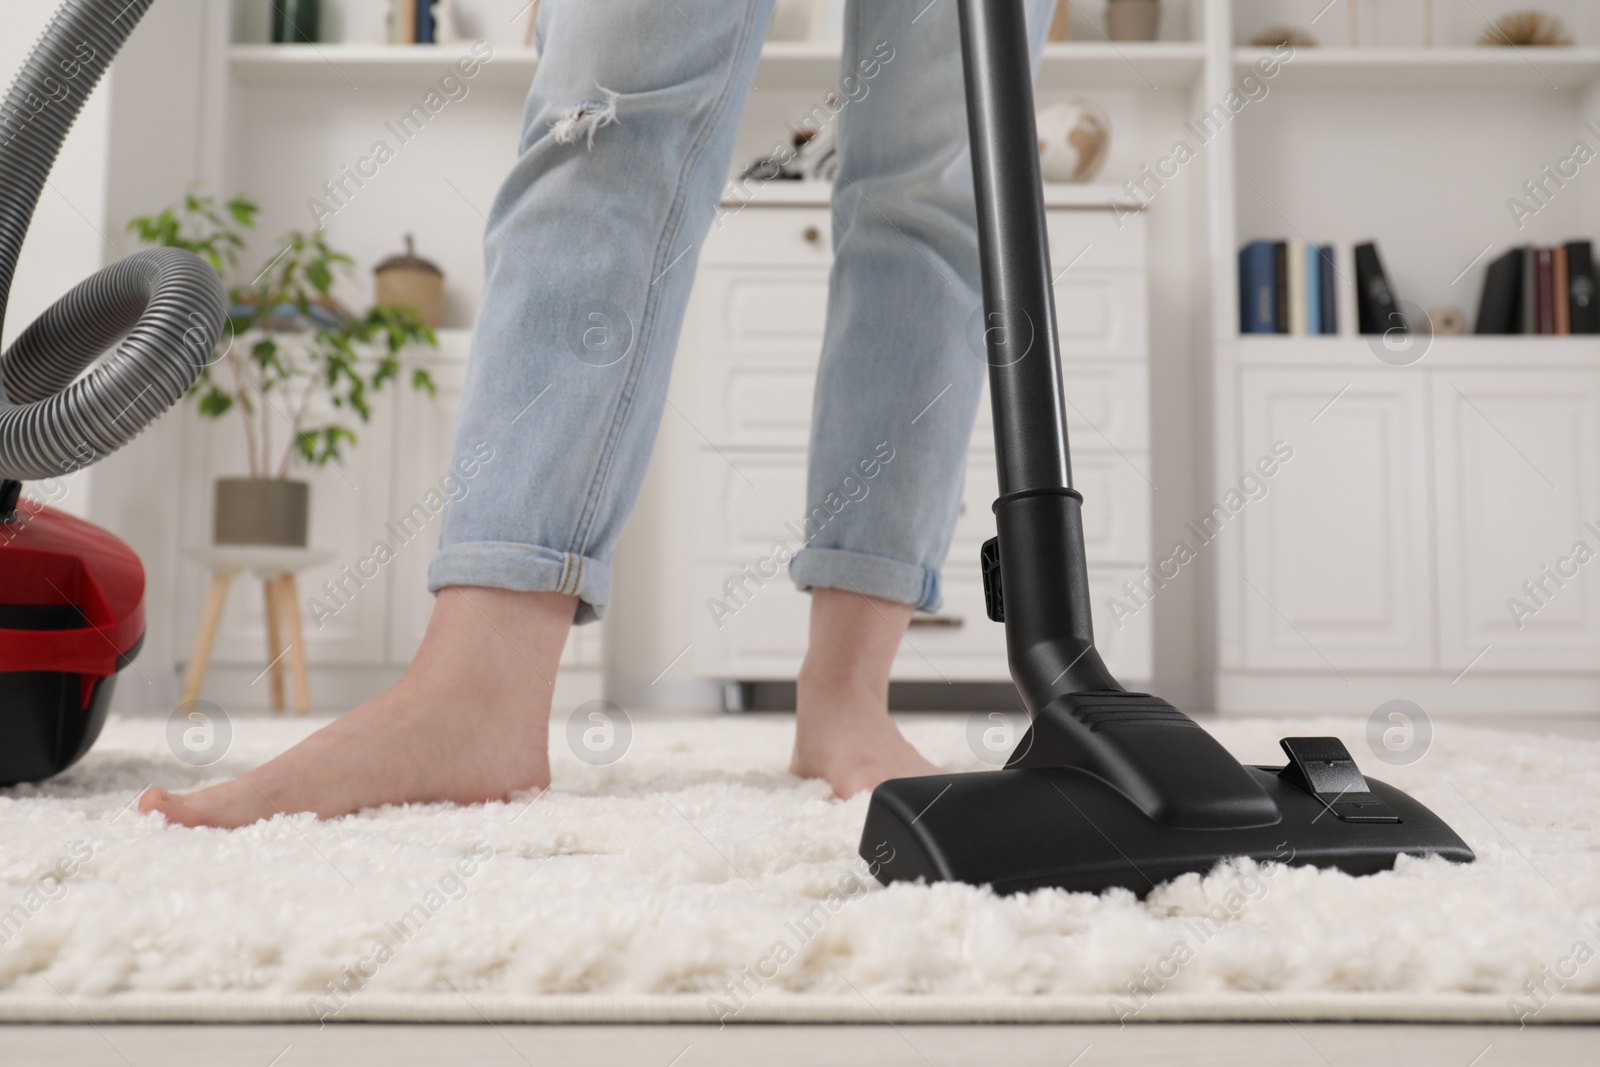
1019, 314
1045, 578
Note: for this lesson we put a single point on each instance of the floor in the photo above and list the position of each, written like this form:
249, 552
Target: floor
838, 1046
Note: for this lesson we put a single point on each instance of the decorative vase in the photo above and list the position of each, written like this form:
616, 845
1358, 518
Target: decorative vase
295, 21
261, 511
1132, 20
1074, 138
408, 280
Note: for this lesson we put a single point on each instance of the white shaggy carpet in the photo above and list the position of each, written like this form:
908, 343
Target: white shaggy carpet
641, 890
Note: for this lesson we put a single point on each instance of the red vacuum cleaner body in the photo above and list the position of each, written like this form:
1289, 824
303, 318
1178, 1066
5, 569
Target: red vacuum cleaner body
71, 618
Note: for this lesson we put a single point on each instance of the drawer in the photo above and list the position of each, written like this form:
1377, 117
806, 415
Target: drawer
765, 404
756, 405
765, 636
1108, 409
778, 236
1091, 240
1116, 509
759, 314
785, 236
743, 500
1102, 315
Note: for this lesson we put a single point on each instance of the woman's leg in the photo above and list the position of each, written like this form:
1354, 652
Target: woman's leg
590, 252
899, 382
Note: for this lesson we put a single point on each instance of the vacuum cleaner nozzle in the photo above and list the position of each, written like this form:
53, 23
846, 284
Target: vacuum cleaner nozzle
1064, 826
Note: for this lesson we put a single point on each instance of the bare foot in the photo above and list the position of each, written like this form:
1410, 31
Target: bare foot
843, 732
469, 722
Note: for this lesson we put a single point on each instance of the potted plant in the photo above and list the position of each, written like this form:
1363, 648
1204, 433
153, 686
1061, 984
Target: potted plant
1132, 20
292, 362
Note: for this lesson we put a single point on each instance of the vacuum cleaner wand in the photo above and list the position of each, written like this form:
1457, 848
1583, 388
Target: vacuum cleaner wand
1108, 788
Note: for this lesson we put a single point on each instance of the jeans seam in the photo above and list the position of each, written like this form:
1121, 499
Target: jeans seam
671, 228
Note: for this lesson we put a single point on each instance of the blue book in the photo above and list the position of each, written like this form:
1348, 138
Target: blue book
424, 21
1258, 296
1313, 291
1328, 302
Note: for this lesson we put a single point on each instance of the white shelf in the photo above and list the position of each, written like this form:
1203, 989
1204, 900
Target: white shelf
370, 66
1148, 65
1549, 69
1062, 195
1353, 352
784, 65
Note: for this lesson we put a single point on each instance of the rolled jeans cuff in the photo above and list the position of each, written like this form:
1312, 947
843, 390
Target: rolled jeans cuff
525, 569
887, 579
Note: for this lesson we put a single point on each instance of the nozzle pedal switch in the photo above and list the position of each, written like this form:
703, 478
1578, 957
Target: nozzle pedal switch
1323, 767
989, 564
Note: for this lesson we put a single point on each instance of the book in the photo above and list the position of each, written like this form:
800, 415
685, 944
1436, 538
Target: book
1258, 300
1544, 290
424, 22
1500, 303
1528, 308
403, 21
1280, 283
1583, 313
1558, 290
1313, 290
1295, 260
1377, 310
1329, 304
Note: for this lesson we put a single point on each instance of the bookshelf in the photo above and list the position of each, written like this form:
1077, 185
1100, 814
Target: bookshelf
1432, 483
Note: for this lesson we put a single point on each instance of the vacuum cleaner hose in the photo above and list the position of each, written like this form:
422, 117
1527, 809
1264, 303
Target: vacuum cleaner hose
165, 305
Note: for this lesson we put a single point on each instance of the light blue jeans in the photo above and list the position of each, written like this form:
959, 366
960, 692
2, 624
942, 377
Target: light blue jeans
590, 252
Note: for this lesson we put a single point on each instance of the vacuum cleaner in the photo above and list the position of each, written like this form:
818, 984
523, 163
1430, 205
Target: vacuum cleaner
71, 594
1107, 788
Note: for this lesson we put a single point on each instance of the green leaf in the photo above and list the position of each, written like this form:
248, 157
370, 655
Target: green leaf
215, 403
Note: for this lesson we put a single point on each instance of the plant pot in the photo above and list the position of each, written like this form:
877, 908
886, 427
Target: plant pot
1132, 20
261, 511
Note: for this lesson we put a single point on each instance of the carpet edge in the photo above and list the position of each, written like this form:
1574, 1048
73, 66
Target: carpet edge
449, 1008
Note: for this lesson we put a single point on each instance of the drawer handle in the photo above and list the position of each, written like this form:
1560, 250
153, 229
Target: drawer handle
812, 235
952, 622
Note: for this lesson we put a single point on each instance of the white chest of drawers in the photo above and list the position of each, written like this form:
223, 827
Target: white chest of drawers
748, 356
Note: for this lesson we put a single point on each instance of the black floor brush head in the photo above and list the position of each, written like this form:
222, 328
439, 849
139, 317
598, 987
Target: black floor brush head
1021, 829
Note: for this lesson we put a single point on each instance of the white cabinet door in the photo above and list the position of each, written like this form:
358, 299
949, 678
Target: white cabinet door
1519, 512
1336, 554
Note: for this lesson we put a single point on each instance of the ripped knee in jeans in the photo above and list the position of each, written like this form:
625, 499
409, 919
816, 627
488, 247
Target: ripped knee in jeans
584, 118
